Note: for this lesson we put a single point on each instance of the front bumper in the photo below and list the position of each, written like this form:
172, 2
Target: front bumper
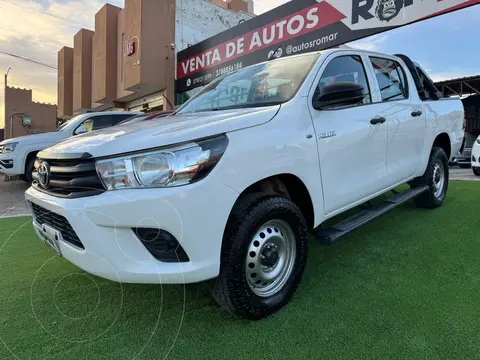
475, 159
9, 164
103, 223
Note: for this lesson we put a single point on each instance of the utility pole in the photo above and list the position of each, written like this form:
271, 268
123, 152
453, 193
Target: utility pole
5, 102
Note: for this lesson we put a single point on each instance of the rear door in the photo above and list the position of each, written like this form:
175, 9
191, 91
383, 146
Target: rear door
399, 104
352, 150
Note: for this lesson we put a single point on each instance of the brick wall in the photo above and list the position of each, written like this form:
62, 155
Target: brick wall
43, 116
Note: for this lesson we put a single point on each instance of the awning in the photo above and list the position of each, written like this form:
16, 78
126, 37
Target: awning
461, 86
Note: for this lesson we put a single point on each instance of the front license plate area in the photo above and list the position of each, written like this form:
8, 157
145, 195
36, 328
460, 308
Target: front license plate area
50, 237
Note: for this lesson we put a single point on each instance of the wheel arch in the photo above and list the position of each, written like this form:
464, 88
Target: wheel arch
288, 185
442, 140
29, 157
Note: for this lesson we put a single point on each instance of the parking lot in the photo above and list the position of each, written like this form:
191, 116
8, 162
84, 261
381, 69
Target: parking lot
12, 199
457, 173
12, 202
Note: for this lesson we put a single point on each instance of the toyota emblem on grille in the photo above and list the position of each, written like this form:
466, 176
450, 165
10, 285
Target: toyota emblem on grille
44, 174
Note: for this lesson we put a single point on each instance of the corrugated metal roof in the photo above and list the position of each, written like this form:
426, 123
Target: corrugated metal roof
467, 78
460, 86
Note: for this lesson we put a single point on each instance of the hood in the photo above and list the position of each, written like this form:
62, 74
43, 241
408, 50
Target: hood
161, 132
36, 138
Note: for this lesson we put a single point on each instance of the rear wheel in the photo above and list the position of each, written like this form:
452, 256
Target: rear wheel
436, 178
476, 171
264, 254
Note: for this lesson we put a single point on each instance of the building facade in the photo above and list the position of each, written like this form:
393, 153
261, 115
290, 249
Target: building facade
129, 61
19, 103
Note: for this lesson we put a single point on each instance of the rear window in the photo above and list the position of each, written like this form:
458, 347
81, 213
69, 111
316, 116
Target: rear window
391, 79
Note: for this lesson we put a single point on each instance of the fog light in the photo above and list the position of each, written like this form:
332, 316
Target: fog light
7, 164
161, 244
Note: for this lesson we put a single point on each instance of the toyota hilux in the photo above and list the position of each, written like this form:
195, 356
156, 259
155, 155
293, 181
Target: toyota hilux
229, 187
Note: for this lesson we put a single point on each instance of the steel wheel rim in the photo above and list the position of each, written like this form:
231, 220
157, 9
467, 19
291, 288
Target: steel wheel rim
270, 258
438, 179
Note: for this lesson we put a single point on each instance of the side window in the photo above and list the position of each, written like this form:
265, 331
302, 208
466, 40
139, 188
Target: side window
391, 79
98, 122
347, 68
119, 118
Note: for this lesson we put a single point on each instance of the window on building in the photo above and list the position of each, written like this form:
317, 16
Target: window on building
346, 69
391, 79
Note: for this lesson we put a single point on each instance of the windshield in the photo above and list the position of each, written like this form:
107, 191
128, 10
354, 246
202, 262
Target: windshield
71, 123
266, 84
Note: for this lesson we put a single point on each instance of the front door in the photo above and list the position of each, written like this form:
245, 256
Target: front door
351, 149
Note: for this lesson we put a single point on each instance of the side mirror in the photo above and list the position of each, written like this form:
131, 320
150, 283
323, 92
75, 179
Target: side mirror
81, 130
26, 121
338, 94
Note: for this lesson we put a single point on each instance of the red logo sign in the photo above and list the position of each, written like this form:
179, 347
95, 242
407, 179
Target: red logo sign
286, 28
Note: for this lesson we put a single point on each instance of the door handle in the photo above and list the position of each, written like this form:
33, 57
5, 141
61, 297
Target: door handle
416, 113
378, 120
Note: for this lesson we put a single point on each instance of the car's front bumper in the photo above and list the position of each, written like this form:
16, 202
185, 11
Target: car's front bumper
9, 164
475, 158
104, 225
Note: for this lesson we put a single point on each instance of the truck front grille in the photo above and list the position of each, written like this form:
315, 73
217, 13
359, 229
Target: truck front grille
58, 222
67, 178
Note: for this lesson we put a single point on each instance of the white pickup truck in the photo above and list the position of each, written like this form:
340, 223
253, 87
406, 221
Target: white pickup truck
229, 187
17, 155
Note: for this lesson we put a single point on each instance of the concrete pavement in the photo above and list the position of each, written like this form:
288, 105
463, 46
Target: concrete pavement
457, 173
12, 198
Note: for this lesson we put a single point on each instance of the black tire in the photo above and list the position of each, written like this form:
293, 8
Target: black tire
464, 166
231, 288
29, 169
431, 199
476, 171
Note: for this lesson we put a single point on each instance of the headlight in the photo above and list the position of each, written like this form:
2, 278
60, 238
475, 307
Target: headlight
174, 166
8, 148
478, 140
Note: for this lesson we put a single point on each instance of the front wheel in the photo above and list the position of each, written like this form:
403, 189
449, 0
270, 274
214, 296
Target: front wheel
476, 171
436, 178
263, 258
29, 169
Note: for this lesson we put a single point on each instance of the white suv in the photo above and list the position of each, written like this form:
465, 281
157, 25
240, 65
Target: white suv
228, 188
17, 155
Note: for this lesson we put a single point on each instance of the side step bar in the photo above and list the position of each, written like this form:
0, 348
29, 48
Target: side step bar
346, 226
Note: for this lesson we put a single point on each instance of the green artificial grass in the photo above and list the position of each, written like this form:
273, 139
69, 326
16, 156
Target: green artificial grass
406, 286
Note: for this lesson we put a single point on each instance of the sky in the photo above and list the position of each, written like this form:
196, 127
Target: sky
446, 46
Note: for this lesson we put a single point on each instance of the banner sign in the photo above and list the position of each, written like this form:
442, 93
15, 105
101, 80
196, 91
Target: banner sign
297, 27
